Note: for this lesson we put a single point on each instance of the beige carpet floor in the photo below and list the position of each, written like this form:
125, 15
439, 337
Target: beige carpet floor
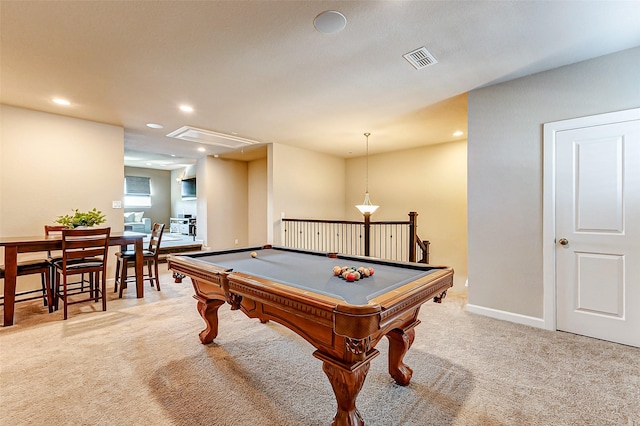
141, 363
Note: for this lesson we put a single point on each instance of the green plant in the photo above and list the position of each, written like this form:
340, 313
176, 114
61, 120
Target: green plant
90, 218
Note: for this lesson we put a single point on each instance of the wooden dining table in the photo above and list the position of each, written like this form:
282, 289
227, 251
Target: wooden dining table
41, 243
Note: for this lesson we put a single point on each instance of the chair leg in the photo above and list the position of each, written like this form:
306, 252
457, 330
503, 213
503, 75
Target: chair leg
92, 293
103, 290
44, 289
94, 279
47, 286
149, 271
98, 286
56, 291
115, 285
157, 276
64, 294
123, 277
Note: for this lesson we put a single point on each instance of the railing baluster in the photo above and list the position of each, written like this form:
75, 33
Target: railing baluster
394, 240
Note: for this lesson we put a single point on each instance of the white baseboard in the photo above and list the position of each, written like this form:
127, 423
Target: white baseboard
506, 316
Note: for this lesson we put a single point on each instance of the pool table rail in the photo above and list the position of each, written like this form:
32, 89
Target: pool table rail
433, 286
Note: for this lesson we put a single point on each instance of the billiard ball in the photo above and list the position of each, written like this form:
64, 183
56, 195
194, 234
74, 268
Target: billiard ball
254, 254
337, 270
350, 276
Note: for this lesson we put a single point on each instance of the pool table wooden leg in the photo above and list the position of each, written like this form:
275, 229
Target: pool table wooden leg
208, 309
346, 385
399, 343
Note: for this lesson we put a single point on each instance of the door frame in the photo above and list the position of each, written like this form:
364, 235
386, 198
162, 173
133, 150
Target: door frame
550, 131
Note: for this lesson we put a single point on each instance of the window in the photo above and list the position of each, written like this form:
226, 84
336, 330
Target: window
137, 191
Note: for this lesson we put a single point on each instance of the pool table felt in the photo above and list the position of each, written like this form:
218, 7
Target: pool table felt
315, 273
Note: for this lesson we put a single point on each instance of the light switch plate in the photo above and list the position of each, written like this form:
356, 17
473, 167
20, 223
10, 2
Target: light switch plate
116, 204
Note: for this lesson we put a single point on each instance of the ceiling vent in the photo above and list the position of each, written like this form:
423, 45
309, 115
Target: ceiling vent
420, 58
209, 137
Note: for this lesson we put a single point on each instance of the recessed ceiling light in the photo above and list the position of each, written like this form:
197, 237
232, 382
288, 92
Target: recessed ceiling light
173, 155
458, 133
155, 126
201, 149
61, 101
330, 21
186, 108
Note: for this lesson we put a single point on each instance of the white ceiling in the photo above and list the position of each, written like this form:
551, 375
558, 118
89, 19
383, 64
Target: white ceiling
260, 70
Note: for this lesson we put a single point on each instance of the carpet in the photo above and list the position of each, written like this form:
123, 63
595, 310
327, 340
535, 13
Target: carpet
141, 362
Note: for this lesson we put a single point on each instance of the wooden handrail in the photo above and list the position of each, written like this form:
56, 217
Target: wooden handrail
355, 237
424, 246
348, 222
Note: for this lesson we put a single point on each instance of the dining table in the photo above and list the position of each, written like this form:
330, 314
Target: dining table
42, 243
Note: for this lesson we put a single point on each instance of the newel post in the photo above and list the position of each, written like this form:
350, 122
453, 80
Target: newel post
367, 233
413, 235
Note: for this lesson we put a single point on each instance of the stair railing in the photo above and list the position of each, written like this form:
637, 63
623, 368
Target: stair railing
390, 240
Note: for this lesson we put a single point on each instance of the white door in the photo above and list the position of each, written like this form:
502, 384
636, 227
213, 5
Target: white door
597, 235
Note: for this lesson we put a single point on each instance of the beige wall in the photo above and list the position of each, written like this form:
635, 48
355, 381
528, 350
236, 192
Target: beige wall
505, 170
160, 209
258, 192
224, 185
304, 184
51, 164
431, 181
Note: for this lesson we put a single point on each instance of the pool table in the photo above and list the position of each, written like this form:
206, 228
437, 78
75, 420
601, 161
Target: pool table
343, 320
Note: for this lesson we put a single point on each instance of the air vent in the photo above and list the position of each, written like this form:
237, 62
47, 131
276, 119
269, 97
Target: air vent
209, 137
420, 58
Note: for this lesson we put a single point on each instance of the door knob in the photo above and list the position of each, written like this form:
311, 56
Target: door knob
563, 241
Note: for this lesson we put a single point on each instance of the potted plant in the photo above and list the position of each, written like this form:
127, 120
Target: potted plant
82, 219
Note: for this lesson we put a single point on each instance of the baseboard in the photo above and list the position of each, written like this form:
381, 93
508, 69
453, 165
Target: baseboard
506, 316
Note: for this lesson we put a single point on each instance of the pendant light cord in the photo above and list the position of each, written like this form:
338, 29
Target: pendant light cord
366, 181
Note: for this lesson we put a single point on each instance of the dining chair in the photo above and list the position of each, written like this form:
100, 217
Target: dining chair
84, 251
150, 256
32, 267
53, 257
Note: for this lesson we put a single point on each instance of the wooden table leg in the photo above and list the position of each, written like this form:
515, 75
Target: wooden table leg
346, 381
139, 264
399, 343
208, 309
10, 274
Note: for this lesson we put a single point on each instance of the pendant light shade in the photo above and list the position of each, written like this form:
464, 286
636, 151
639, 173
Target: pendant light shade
367, 207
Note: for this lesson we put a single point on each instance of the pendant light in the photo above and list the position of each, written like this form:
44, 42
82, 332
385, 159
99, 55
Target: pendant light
366, 207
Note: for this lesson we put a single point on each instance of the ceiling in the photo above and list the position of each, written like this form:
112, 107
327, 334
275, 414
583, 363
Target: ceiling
260, 70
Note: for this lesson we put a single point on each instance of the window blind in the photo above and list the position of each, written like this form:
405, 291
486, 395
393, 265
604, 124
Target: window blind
137, 185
